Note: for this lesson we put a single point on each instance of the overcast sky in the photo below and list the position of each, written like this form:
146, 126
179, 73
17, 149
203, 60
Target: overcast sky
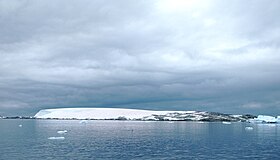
209, 55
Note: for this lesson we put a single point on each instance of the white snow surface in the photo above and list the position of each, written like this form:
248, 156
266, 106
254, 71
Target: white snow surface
56, 138
268, 119
264, 119
100, 113
226, 122
249, 128
83, 122
62, 132
278, 119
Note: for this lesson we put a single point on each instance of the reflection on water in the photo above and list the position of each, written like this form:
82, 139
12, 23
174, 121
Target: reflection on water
137, 140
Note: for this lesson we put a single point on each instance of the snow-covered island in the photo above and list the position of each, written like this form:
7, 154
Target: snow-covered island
136, 114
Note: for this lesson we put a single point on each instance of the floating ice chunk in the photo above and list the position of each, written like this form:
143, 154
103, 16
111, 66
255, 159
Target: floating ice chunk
255, 120
20, 125
83, 122
170, 122
270, 125
148, 121
56, 138
249, 128
200, 122
226, 122
62, 132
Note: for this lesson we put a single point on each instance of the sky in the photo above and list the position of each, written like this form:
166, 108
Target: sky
206, 55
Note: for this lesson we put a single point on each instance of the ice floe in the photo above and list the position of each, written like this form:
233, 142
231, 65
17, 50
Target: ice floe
83, 122
249, 128
226, 122
200, 122
56, 138
62, 132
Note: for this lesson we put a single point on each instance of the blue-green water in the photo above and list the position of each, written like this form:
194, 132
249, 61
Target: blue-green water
137, 140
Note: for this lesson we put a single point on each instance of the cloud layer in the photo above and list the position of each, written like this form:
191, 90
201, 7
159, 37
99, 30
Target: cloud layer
167, 54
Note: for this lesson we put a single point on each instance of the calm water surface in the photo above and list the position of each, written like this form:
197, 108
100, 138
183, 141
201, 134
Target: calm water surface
137, 140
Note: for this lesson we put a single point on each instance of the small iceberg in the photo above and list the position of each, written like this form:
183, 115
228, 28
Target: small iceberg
56, 138
270, 124
62, 132
249, 128
83, 122
226, 122
200, 122
148, 121
20, 125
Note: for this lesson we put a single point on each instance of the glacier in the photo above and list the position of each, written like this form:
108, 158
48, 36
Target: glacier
101, 113
135, 114
265, 119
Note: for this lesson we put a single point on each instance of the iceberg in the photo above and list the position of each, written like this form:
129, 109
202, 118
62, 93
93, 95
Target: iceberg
249, 128
264, 119
20, 125
226, 122
83, 122
62, 132
200, 122
56, 138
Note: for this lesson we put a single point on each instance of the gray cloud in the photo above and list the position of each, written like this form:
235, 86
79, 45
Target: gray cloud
176, 55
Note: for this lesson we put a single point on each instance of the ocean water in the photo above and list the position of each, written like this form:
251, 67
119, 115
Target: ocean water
137, 140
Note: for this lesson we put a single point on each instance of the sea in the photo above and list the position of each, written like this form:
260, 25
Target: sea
30, 139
